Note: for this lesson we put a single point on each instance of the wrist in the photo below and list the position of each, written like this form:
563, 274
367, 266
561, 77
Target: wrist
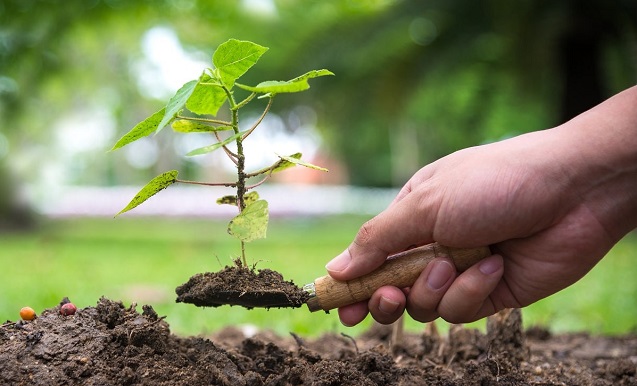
599, 154
608, 132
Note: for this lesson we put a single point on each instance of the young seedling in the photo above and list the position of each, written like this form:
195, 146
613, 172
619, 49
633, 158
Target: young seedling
194, 109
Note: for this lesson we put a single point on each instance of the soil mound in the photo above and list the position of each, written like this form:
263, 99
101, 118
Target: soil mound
111, 344
241, 286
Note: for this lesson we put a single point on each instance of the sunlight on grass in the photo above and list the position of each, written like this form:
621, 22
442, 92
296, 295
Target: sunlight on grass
143, 260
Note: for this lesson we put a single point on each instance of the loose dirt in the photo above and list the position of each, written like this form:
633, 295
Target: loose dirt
241, 286
111, 344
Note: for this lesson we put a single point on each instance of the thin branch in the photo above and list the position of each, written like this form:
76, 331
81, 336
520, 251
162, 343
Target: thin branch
269, 169
267, 108
227, 184
245, 101
206, 120
267, 177
233, 157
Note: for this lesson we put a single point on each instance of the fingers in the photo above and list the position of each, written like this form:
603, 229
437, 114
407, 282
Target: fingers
438, 292
353, 314
404, 224
465, 299
386, 305
429, 289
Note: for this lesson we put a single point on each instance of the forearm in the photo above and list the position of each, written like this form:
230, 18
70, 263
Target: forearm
600, 146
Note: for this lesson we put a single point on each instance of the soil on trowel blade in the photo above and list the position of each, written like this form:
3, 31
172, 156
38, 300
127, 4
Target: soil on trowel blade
111, 344
242, 286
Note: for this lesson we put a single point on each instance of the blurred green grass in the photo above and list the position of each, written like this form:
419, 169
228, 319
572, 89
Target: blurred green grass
142, 260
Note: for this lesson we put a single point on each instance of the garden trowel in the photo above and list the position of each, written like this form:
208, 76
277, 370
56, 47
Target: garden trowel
325, 293
400, 270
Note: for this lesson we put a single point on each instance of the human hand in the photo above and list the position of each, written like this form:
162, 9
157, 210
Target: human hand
535, 199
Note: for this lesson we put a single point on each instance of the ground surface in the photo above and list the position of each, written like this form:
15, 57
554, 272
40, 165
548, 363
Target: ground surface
111, 344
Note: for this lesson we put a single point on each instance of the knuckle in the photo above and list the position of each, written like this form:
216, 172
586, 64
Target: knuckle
463, 306
365, 249
470, 290
365, 233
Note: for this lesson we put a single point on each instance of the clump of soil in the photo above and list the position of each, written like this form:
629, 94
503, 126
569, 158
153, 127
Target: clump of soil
242, 286
111, 344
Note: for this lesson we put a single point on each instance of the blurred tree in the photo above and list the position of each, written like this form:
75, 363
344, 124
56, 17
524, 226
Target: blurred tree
75, 57
52, 62
414, 80
443, 75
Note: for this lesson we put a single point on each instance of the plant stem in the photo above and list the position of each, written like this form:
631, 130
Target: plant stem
243, 254
241, 159
241, 175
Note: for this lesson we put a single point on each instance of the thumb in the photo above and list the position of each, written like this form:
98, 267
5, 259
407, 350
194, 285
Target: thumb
399, 227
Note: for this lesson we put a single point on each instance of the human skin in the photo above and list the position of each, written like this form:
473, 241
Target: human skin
550, 204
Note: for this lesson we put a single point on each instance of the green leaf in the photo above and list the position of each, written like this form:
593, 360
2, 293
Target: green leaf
283, 164
215, 146
206, 98
250, 197
252, 223
176, 103
142, 129
234, 58
227, 200
297, 84
297, 161
278, 166
155, 185
188, 126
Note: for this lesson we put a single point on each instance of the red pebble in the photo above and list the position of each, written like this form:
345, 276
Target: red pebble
68, 309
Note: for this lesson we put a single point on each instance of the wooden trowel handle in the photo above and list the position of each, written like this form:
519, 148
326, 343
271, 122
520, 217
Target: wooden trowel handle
400, 270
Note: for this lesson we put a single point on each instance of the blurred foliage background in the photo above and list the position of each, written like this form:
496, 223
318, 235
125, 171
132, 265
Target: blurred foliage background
415, 80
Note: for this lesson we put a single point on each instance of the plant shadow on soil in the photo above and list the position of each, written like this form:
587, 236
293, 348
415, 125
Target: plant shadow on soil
111, 344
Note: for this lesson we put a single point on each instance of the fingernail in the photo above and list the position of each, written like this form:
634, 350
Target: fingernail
387, 306
340, 262
440, 274
490, 266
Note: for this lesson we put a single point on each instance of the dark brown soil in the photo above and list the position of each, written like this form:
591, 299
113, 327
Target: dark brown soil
111, 344
241, 286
